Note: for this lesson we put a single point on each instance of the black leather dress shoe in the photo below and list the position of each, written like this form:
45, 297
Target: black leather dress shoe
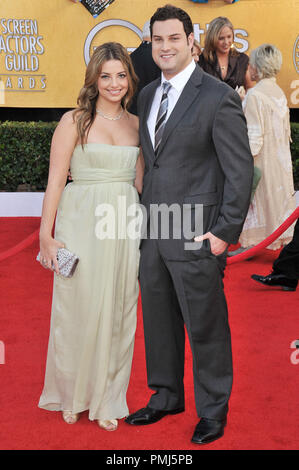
278, 280
149, 415
208, 430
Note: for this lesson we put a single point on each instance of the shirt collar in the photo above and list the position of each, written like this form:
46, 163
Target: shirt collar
179, 81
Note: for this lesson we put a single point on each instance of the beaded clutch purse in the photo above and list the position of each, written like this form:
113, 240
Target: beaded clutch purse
67, 262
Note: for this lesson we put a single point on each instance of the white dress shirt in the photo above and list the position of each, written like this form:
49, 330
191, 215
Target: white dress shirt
178, 83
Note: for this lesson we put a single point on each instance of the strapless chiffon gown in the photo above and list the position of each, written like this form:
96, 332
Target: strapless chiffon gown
93, 318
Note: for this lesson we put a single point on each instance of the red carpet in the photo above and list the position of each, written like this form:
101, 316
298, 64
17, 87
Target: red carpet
264, 411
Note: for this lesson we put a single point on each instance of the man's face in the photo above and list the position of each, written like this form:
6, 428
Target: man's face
171, 48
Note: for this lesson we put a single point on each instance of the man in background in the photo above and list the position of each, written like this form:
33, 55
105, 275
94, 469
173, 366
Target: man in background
285, 269
144, 65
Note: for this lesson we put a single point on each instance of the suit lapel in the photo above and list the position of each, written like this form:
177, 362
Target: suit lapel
188, 95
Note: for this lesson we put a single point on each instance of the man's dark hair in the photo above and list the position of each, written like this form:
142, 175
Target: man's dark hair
170, 12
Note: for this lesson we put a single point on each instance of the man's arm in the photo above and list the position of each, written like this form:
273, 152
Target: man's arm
230, 138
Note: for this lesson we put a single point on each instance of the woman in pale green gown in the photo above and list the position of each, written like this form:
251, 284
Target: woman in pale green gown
93, 318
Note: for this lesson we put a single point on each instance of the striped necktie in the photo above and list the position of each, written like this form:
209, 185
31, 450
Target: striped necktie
161, 117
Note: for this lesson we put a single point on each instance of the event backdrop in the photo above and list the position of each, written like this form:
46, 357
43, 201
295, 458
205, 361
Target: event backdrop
45, 44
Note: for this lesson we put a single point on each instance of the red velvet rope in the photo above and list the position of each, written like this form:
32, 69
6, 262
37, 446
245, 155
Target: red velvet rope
234, 259
20, 246
255, 249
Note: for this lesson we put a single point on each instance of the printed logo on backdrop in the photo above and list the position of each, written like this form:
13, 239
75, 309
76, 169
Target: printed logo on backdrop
89, 45
296, 55
21, 46
96, 7
99, 27
294, 95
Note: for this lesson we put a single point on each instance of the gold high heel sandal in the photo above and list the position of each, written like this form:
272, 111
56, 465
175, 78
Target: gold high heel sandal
108, 424
69, 417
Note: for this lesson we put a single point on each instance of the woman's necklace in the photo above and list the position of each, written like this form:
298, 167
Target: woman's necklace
223, 66
116, 118
223, 71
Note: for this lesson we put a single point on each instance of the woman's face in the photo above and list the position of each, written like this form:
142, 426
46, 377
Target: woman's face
225, 40
113, 81
196, 53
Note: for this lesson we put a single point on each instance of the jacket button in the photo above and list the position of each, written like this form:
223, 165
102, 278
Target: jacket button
156, 165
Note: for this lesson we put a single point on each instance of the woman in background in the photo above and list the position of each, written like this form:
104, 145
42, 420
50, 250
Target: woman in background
267, 116
221, 59
93, 317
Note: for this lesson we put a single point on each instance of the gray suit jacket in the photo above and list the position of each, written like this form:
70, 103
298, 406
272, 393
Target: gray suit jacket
204, 158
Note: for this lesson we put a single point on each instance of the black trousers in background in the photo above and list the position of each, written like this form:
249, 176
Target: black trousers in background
287, 262
178, 293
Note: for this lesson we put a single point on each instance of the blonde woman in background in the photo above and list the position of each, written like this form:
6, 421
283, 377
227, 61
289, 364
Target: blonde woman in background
221, 59
267, 116
93, 317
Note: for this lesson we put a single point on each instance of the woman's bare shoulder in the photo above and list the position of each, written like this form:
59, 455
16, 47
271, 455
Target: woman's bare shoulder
68, 121
134, 120
69, 117
67, 128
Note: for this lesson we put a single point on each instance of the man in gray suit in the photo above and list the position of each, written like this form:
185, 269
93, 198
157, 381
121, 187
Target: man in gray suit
194, 139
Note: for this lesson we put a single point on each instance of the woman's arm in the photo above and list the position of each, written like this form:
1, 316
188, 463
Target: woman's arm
139, 172
62, 146
138, 183
255, 119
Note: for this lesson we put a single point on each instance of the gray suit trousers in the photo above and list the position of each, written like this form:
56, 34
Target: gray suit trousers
187, 293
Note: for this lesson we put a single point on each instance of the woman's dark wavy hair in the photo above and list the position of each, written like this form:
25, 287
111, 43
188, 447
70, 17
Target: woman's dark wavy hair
170, 12
85, 114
